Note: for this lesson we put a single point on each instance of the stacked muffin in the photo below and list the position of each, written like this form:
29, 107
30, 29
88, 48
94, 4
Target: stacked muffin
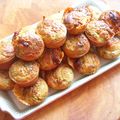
48, 55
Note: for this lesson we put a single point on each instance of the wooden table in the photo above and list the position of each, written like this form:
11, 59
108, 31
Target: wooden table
96, 100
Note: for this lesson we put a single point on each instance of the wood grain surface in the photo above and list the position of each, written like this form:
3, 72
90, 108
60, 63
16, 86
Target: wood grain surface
96, 100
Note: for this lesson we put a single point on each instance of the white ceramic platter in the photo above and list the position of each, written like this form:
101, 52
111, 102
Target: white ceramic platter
10, 104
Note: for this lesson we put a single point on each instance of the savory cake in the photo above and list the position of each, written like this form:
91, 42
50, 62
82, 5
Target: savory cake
111, 50
32, 95
60, 78
53, 33
24, 73
51, 58
88, 64
76, 46
28, 45
112, 18
76, 19
99, 32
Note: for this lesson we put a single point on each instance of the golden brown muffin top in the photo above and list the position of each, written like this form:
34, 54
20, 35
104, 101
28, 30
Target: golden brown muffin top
111, 50
28, 45
51, 29
5, 82
51, 58
22, 72
61, 77
76, 46
74, 18
112, 18
113, 44
99, 30
6, 50
32, 95
64, 72
88, 64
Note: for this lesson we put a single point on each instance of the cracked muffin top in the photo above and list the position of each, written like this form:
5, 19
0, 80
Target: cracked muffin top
53, 33
99, 32
88, 64
76, 46
51, 58
60, 78
32, 95
28, 45
24, 73
111, 50
112, 18
76, 19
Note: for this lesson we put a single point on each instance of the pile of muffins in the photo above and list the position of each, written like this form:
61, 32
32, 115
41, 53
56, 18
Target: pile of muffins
48, 55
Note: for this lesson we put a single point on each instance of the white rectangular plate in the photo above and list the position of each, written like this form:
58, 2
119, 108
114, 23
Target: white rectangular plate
9, 103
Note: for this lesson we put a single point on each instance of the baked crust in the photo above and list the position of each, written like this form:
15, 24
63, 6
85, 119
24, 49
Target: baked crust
71, 62
99, 32
32, 95
24, 73
87, 64
51, 58
53, 33
76, 19
111, 50
7, 54
28, 45
76, 46
112, 18
61, 78
5, 82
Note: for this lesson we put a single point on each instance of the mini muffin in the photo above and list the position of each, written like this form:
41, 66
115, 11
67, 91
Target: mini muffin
87, 64
111, 50
5, 82
95, 12
76, 19
76, 46
28, 45
7, 54
99, 33
51, 58
32, 95
24, 73
53, 33
60, 78
112, 18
